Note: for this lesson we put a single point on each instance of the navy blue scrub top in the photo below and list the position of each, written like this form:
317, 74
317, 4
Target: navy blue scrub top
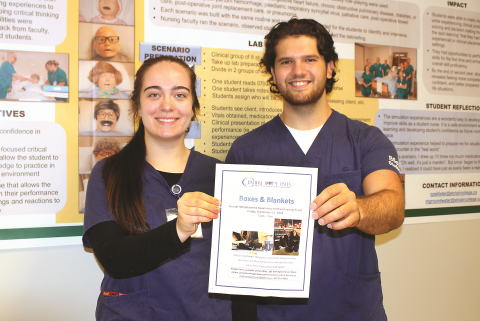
178, 289
345, 280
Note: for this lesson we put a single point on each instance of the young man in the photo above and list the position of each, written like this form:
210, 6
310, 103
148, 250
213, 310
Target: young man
360, 193
7, 73
385, 68
409, 75
377, 69
368, 66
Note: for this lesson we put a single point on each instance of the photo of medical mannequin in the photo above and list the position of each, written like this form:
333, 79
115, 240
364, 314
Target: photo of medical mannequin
33, 85
106, 42
105, 77
118, 12
110, 118
106, 45
109, 12
103, 148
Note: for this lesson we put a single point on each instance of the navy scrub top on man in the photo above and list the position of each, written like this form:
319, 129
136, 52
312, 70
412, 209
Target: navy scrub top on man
345, 280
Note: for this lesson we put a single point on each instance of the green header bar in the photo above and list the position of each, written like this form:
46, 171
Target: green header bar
40, 232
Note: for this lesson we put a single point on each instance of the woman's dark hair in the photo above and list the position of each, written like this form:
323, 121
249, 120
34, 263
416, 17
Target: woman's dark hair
299, 27
122, 172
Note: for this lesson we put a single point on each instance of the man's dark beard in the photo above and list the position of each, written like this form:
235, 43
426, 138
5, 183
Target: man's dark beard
310, 99
106, 123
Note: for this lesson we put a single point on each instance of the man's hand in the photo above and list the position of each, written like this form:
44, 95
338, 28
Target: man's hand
381, 210
195, 208
336, 206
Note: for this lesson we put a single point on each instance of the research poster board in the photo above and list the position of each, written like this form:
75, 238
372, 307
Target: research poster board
409, 68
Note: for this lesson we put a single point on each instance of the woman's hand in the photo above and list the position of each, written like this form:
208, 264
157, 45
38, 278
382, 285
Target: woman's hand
195, 208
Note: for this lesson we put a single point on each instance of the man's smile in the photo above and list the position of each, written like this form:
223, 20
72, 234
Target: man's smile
299, 83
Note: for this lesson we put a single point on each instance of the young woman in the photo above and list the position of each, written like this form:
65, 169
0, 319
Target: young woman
401, 85
56, 76
154, 270
367, 77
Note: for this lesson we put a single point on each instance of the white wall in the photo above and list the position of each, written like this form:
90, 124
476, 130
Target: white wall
429, 272
48, 284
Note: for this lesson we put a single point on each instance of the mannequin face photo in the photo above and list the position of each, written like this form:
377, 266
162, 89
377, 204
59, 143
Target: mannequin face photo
106, 120
104, 42
104, 153
108, 8
106, 81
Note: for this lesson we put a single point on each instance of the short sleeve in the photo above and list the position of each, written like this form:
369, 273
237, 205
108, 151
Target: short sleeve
64, 76
239, 153
378, 153
96, 208
11, 70
232, 156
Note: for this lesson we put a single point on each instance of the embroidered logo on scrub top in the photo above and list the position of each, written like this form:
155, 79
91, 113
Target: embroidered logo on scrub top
392, 161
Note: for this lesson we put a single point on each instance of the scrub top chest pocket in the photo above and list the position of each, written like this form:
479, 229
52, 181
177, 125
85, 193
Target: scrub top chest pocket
353, 180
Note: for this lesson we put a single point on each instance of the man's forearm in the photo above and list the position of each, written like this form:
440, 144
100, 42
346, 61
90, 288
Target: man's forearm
381, 212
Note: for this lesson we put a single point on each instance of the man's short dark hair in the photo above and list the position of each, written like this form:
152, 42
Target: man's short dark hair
299, 27
106, 104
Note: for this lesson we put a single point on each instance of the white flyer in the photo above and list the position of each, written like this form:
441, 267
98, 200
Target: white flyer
262, 240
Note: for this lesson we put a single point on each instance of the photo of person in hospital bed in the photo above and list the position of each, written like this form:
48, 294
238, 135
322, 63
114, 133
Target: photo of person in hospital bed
14, 86
7, 73
33, 85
